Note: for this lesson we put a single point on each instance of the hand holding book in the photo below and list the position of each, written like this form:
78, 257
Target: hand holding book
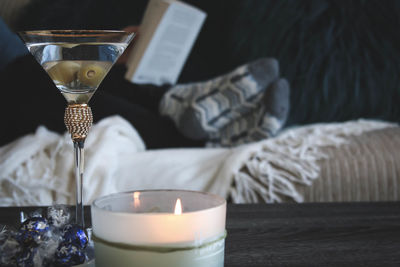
168, 31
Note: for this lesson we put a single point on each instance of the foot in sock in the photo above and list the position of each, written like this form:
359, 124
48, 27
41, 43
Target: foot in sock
201, 110
263, 122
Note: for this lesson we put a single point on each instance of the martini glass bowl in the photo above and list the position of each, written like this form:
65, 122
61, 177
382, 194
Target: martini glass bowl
77, 61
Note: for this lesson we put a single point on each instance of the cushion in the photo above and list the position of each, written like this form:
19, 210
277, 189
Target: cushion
365, 169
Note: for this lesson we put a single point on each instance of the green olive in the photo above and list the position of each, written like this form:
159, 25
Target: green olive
91, 74
64, 72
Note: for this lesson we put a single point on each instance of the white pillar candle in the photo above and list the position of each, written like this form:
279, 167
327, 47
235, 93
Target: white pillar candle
159, 228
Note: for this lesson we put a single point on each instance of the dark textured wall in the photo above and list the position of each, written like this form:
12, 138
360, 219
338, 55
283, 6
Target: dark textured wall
342, 58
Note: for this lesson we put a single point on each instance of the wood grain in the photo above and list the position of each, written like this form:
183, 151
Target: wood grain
347, 234
315, 234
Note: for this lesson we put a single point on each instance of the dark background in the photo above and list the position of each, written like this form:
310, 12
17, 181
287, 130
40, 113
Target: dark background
341, 58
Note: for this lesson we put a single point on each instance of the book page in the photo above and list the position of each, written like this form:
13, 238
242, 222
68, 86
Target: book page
165, 55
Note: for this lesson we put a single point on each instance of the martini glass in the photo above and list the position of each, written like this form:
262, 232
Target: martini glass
77, 62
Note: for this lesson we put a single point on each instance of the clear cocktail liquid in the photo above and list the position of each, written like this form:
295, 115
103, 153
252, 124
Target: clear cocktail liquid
76, 69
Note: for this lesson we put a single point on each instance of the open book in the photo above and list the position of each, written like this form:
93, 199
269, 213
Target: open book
167, 33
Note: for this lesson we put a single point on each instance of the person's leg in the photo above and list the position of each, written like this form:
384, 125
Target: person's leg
139, 104
145, 95
31, 99
156, 131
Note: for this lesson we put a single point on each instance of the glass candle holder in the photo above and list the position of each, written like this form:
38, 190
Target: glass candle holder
159, 228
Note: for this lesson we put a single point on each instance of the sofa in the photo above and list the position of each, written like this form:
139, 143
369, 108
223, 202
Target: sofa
340, 58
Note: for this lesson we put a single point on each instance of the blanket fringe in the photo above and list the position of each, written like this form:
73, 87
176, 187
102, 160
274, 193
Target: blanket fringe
272, 172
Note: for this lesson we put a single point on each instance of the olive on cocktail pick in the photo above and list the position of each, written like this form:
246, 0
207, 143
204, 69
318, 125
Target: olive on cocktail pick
91, 74
64, 72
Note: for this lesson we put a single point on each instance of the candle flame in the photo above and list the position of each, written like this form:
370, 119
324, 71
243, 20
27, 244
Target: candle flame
178, 207
136, 200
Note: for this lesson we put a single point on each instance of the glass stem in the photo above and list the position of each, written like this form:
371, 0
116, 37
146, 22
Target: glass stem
79, 166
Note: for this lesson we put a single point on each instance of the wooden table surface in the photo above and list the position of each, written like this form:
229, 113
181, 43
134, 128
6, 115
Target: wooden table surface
319, 234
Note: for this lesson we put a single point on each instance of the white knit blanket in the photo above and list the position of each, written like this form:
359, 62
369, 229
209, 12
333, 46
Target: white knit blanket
38, 169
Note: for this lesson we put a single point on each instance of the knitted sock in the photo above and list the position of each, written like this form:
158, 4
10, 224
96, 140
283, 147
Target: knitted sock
201, 110
263, 122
